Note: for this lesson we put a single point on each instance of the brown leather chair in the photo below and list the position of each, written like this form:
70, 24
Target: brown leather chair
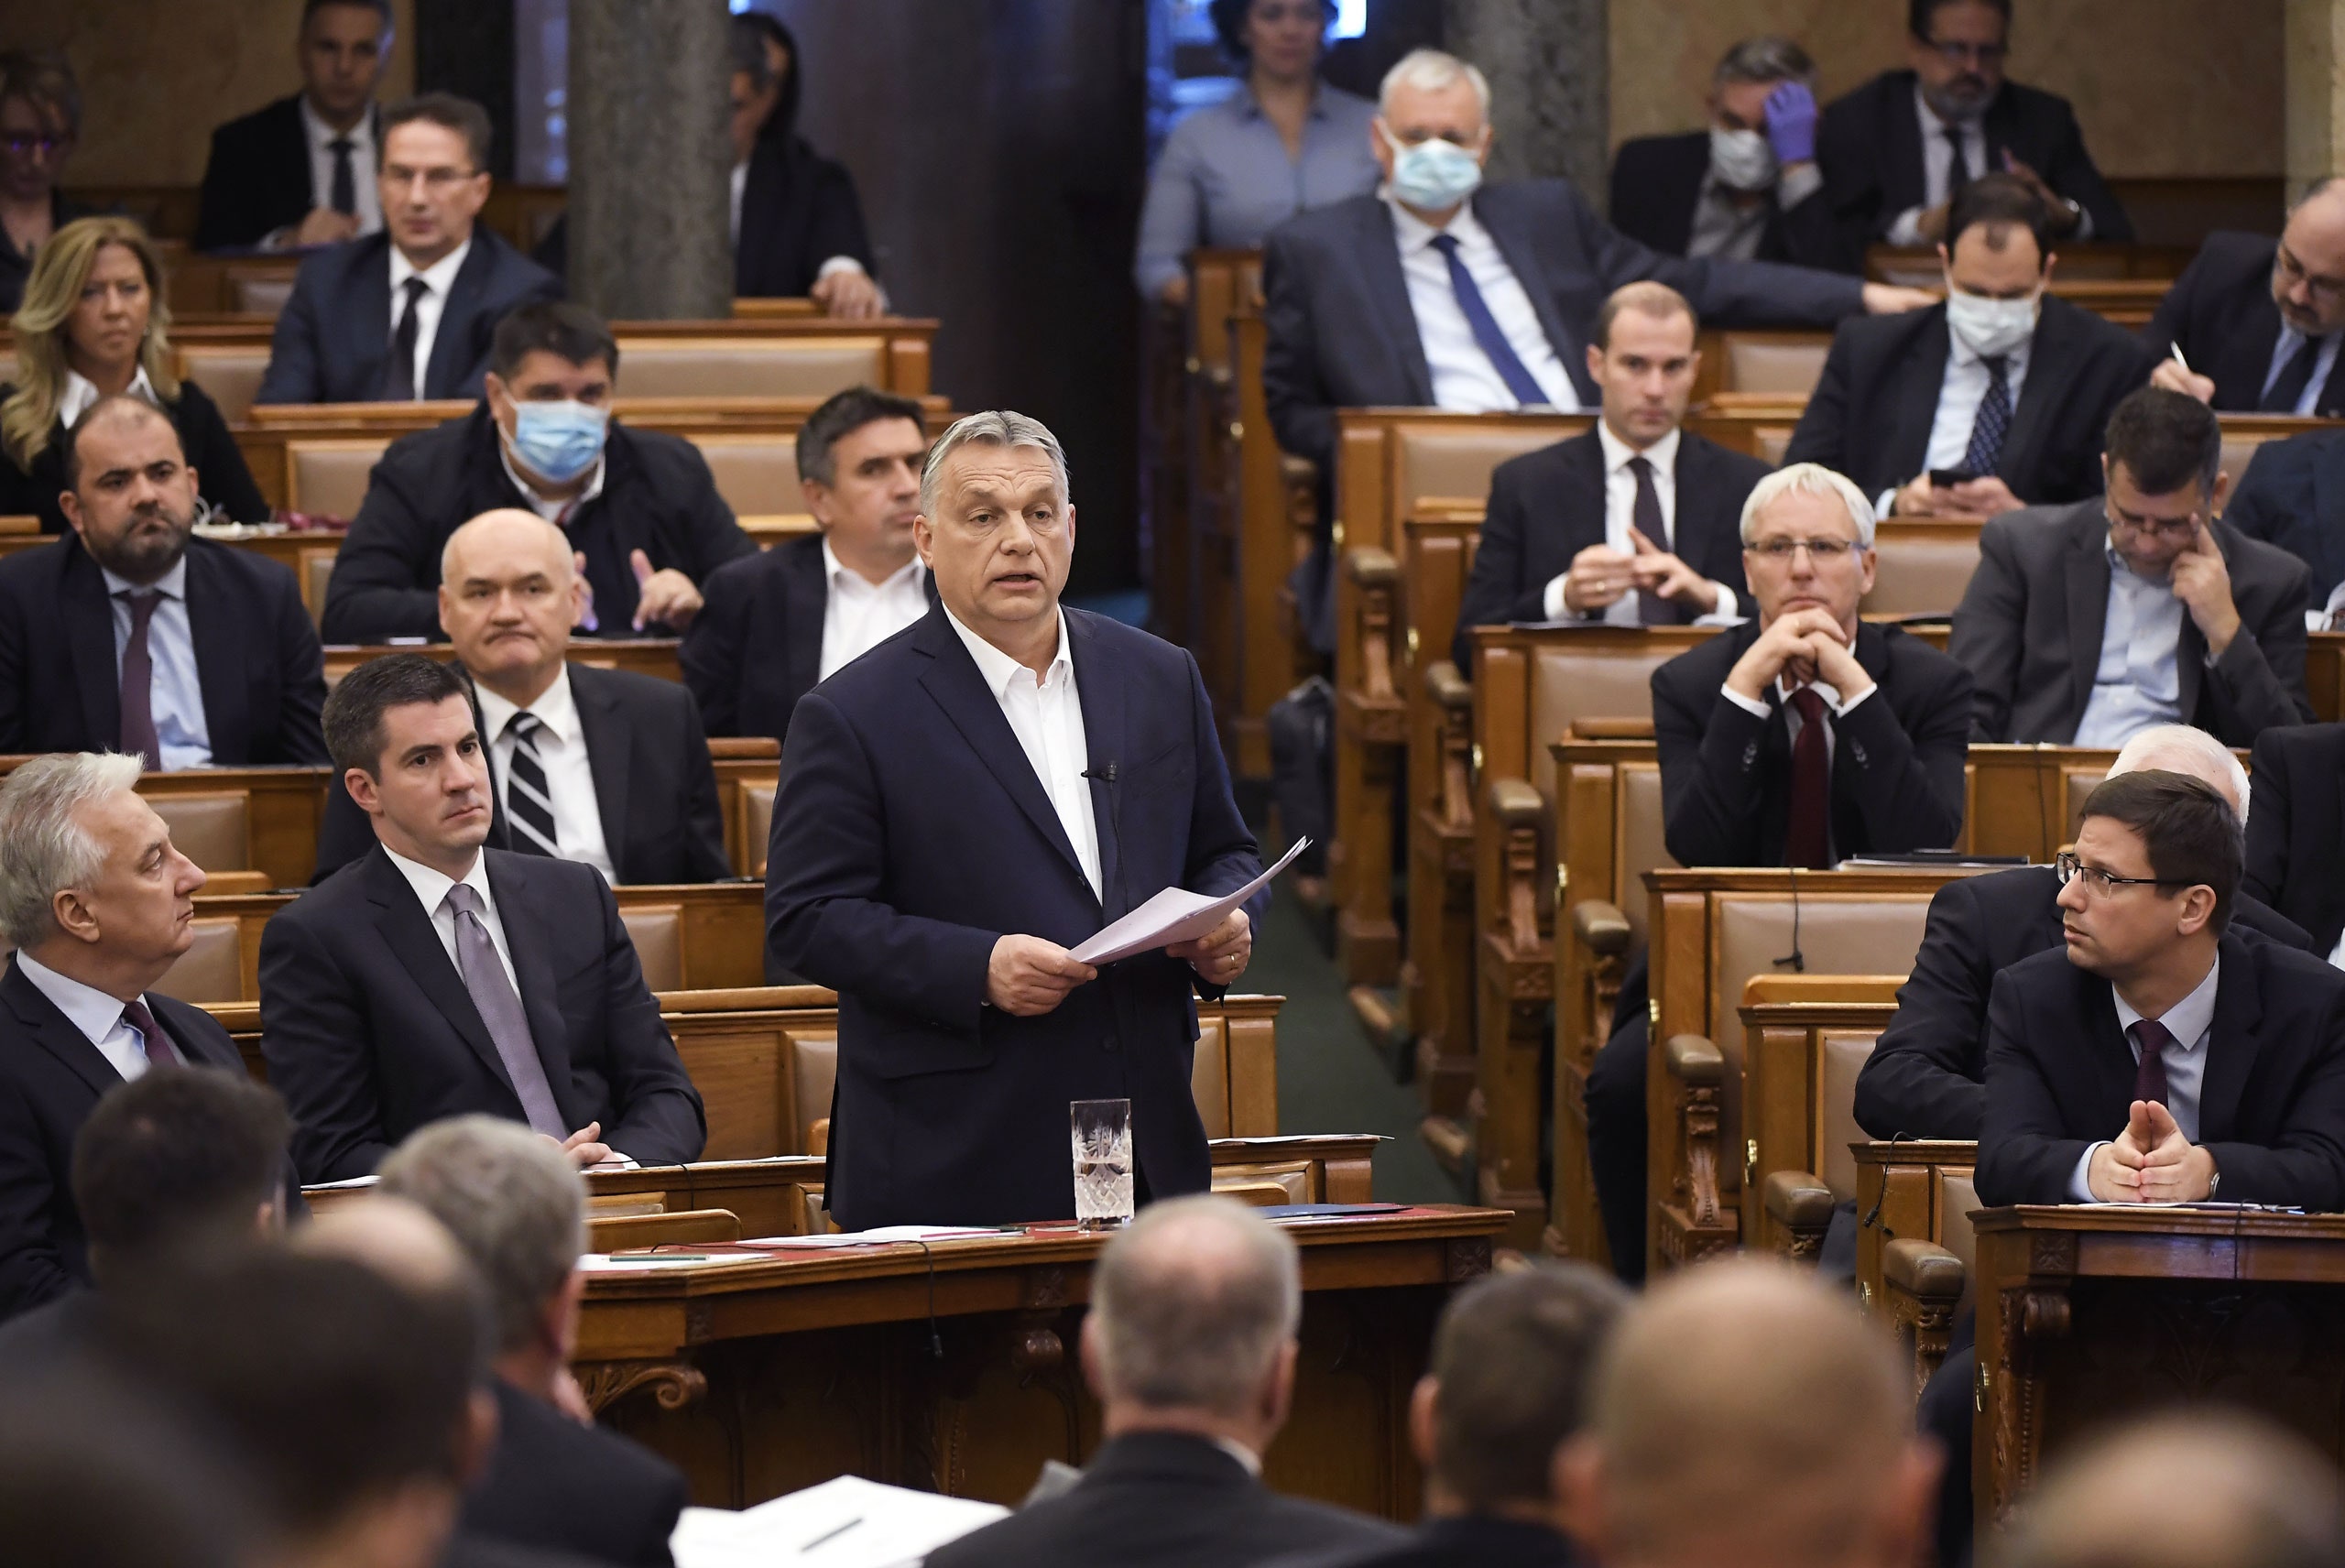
757, 801
327, 476
214, 830
1805, 1038
657, 930
814, 367
1779, 362
229, 373
813, 1071
212, 969
1921, 568
756, 473
259, 295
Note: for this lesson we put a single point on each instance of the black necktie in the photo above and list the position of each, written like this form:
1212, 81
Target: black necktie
2296, 373
1958, 166
1653, 610
139, 733
345, 198
1994, 420
398, 379
529, 802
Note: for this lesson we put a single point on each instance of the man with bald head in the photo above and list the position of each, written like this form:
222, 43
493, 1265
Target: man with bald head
131, 635
607, 766
2259, 319
1745, 1414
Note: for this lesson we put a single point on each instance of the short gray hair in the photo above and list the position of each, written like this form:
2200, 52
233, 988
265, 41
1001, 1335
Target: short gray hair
996, 427
44, 849
1766, 57
514, 1202
1808, 479
1193, 1303
1430, 71
2202, 756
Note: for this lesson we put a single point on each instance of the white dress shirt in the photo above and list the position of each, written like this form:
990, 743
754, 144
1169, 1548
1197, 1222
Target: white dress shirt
1464, 379
560, 746
1046, 716
1619, 516
432, 889
2137, 679
858, 614
1937, 167
176, 692
2188, 1024
1960, 391
81, 392
320, 138
95, 1014
2324, 362
437, 278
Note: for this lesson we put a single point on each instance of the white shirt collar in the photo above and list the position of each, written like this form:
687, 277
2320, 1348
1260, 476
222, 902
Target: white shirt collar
1662, 454
555, 708
1417, 234
1243, 1454
2187, 1019
322, 135
432, 886
1824, 689
998, 669
566, 506
2014, 363
81, 392
438, 277
87, 1008
838, 573
173, 582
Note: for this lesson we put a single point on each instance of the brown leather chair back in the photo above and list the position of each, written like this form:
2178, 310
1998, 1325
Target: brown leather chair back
1775, 362
813, 1071
1583, 681
230, 374
259, 296
758, 826
1922, 569
212, 969
1642, 831
1430, 461
752, 368
317, 571
658, 932
2076, 784
214, 830
1845, 1052
1772, 441
756, 473
1209, 1075
328, 476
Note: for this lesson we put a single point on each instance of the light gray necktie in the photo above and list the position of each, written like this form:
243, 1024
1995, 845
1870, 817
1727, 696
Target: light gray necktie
500, 1009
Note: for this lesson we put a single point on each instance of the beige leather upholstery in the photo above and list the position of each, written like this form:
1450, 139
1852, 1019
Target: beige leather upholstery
658, 932
212, 969
751, 367
2076, 784
2238, 446
757, 801
1576, 682
259, 295
757, 475
1773, 365
317, 571
1921, 568
1772, 441
1642, 826
1209, 1076
229, 373
1844, 1058
1438, 462
212, 829
328, 477
813, 1069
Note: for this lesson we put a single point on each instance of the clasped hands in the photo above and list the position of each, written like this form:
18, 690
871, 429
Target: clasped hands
1599, 576
1029, 977
1801, 647
1986, 496
2150, 1162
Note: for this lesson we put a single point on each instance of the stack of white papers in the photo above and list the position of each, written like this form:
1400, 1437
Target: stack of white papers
846, 1524
884, 1235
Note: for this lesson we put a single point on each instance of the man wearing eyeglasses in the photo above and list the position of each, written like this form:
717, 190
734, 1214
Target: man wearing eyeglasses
1896, 150
2253, 323
2084, 624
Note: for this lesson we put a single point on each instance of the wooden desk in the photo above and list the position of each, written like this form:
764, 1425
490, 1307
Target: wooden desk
2089, 1314
770, 1376
646, 656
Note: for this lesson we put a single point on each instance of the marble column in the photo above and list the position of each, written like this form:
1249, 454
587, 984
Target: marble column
650, 160
1548, 70
2316, 86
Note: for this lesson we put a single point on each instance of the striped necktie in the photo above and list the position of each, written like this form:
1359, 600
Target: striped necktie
529, 802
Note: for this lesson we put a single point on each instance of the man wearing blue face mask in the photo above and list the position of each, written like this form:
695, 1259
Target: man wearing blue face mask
639, 507
1992, 401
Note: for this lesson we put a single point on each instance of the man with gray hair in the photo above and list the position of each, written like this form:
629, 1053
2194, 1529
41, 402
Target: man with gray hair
958, 810
98, 905
1747, 188
518, 1209
1189, 1345
1799, 738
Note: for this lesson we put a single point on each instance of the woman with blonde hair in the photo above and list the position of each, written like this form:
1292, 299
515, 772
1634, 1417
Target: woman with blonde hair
92, 324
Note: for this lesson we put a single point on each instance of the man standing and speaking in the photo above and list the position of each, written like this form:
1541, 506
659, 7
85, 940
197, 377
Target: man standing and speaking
961, 807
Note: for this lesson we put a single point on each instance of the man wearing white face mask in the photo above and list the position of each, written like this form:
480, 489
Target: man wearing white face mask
1992, 401
639, 507
1748, 188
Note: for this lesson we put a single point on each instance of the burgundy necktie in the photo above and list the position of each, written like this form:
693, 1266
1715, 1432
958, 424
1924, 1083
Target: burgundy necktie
1808, 841
2150, 1039
138, 680
1653, 610
160, 1049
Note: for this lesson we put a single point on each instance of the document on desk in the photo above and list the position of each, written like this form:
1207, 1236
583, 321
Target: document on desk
1174, 915
845, 1524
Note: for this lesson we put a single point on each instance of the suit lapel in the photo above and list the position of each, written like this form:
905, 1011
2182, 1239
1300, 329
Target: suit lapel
806, 598
1904, 176
213, 614
368, 327
451, 349
1523, 259
2053, 358
1099, 685
508, 879
1918, 398
1581, 502
55, 1033
88, 629
405, 929
2087, 570
2231, 1045
610, 759
2247, 350
2110, 1061
2327, 492
1388, 290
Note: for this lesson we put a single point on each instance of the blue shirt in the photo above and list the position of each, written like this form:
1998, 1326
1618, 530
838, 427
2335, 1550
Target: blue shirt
2138, 682
2324, 361
1225, 179
178, 691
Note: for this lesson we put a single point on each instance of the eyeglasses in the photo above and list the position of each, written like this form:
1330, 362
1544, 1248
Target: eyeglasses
25, 145
2176, 529
1962, 54
2289, 272
2099, 883
1821, 552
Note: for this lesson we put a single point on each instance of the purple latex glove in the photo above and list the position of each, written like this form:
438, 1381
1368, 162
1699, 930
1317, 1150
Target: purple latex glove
1790, 123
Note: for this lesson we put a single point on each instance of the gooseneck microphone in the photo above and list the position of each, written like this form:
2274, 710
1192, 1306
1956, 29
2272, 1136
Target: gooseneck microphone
1105, 774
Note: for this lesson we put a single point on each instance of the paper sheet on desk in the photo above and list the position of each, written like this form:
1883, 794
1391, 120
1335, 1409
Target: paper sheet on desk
845, 1524
1174, 915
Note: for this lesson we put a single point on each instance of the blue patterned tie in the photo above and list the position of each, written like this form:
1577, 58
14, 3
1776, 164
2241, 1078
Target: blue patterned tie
1518, 380
1994, 419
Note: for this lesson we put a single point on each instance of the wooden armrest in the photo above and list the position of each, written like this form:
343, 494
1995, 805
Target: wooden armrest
1798, 1201
1515, 804
722, 748
1600, 927
1692, 1059
1612, 729
1371, 567
1922, 1269
1447, 688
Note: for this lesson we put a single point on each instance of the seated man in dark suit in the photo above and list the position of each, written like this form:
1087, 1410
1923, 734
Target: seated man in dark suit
605, 766
2083, 624
1635, 523
1800, 739
435, 977
96, 903
2293, 496
2297, 830
1747, 189
167, 1163
131, 633
2253, 323
1926, 1077
1190, 1344
778, 621
300, 171
519, 1211
407, 313
1896, 150
639, 506
2002, 392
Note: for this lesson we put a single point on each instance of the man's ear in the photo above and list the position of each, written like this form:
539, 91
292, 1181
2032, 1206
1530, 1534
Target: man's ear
72, 914
924, 540
475, 1436
2198, 907
361, 785
1596, 364
71, 505
1424, 1419
1576, 1477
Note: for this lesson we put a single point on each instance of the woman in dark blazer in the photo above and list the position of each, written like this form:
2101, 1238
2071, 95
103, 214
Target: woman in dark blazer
93, 323
795, 210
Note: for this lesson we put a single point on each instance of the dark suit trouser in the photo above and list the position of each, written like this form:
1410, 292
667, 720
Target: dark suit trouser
1945, 1413
1616, 1143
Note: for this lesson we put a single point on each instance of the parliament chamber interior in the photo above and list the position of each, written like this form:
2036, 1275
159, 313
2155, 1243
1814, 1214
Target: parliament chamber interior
1660, 842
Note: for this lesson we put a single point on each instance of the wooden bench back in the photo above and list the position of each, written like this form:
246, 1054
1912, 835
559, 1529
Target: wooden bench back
1390, 461
1805, 1038
1531, 684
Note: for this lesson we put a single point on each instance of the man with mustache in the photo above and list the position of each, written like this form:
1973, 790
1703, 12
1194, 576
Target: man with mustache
131, 635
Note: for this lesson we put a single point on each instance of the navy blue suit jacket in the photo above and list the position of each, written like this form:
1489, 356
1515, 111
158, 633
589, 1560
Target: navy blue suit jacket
2293, 494
910, 834
333, 338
